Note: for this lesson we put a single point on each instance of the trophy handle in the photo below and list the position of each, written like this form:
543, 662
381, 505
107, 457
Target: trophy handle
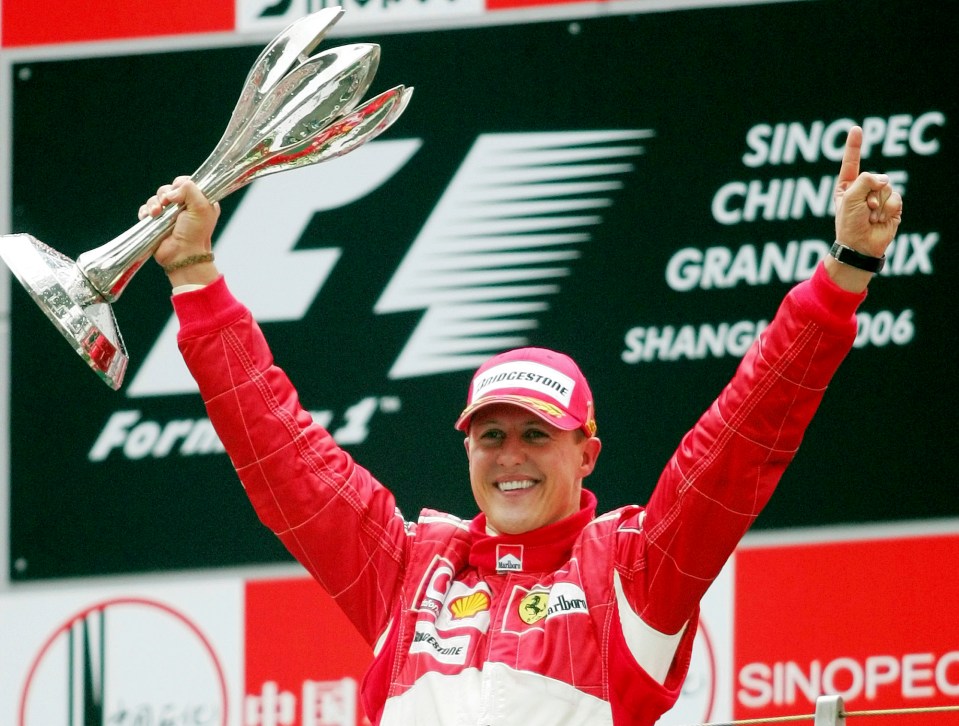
110, 267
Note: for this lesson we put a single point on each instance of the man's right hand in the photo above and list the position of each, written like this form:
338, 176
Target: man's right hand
192, 234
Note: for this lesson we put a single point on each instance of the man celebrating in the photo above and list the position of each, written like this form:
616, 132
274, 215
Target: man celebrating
536, 611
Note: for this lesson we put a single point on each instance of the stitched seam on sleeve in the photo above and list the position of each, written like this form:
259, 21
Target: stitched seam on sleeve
308, 454
730, 428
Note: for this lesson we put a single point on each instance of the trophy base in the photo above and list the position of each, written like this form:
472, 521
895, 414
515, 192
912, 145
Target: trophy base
77, 310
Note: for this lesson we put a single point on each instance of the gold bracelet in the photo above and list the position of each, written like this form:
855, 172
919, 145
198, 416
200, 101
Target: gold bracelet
188, 262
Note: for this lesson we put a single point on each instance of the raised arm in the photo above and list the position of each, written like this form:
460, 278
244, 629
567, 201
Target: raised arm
728, 465
330, 513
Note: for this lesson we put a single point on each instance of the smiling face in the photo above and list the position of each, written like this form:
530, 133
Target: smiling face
524, 472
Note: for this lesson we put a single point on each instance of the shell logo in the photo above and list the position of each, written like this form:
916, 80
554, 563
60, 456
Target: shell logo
468, 605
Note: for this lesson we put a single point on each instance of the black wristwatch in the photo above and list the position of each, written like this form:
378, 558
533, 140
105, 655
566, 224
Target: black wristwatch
849, 256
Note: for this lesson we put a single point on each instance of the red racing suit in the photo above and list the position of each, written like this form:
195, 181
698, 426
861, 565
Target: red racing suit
555, 626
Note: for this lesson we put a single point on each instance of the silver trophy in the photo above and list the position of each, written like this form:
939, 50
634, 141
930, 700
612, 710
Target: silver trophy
295, 109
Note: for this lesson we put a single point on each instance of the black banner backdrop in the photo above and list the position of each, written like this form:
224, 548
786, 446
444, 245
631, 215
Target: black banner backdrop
740, 112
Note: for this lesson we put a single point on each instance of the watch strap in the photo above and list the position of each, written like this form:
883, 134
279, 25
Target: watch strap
849, 256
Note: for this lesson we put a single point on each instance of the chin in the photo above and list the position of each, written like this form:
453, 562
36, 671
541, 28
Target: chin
510, 527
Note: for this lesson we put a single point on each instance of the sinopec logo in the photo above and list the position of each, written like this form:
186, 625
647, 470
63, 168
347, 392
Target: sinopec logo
122, 662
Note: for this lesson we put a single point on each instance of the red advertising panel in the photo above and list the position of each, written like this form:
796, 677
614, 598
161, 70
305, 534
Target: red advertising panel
28, 22
871, 621
304, 659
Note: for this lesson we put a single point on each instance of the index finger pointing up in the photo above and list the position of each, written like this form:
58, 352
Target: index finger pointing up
849, 170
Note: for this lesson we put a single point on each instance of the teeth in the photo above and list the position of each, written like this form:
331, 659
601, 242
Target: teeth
508, 486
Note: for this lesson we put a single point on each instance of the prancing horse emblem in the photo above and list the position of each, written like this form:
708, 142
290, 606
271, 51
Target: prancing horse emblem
532, 608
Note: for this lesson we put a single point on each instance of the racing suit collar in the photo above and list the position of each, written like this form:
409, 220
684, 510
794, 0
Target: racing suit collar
540, 550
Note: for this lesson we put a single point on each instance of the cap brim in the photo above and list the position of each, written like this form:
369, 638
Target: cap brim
548, 412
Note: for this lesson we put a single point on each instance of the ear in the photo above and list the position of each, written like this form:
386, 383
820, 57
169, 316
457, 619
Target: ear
466, 445
591, 448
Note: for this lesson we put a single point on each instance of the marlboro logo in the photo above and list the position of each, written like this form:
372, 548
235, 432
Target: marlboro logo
509, 558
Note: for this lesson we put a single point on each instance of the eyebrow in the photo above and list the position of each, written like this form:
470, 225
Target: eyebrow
499, 422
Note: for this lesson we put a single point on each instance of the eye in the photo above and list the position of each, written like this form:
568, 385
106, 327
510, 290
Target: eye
535, 434
491, 434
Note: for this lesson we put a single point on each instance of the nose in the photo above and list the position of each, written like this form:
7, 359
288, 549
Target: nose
511, 452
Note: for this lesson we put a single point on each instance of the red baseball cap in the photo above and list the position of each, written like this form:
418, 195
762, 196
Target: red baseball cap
544, 382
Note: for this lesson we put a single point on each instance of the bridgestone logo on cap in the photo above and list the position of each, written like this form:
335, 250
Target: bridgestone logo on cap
524, 374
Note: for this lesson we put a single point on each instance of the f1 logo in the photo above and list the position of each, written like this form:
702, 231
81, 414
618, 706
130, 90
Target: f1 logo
492, 251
